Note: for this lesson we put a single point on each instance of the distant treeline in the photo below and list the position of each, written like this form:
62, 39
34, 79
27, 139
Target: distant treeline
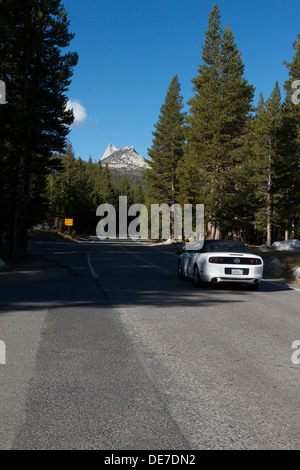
75, 188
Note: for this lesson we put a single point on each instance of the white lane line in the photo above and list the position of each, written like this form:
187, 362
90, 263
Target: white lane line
154, 246
93, 272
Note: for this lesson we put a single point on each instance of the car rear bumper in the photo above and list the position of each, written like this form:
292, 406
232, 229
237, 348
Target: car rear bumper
241, 279
253, 276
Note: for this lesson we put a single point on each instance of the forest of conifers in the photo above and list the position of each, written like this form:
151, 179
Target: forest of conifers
242, 162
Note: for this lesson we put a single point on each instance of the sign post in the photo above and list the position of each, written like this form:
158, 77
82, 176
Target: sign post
69, 223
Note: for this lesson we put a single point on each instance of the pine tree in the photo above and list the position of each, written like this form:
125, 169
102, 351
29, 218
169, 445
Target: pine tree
61, 188
167, 148
200, 128
35, 121
122, 188
265, 136
218, 114
107, 190
288, 166
138, 194
166, 151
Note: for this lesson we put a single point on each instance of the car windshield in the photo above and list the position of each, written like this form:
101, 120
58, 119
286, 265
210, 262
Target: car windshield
226, 247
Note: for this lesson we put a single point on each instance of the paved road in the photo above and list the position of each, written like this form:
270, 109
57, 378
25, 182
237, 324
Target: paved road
107, 349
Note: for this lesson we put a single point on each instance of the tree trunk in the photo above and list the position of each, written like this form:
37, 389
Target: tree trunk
213, 232
269, 208
18, 238
286, 235
269, 237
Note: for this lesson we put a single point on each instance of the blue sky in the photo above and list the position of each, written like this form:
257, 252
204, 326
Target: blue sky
129, 51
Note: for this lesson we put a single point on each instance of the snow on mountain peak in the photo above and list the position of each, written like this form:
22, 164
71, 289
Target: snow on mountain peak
109, 151
125, 159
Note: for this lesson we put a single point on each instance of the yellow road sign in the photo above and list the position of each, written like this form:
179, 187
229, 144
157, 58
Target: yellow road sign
69, 222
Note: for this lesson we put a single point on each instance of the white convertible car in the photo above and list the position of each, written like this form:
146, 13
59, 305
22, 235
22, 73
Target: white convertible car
220, 261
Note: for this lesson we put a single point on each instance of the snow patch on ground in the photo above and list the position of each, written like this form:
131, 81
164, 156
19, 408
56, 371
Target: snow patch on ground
296, 274
286, 245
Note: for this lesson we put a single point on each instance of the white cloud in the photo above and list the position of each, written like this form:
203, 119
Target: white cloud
79, 111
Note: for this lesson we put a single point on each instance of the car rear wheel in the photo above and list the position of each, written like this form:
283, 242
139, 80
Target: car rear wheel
196, 277
253, 286
180, 271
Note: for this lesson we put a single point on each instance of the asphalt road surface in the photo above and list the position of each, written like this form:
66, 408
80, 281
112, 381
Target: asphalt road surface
107, 349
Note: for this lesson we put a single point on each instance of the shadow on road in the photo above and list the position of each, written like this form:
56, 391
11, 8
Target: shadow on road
40, 283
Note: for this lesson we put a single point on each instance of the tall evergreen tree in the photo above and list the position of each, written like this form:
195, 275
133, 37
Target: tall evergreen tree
138, 194
266, 127
288, 166
62, 188
107, 189
167, 148
200, 128
216, 123
34, 122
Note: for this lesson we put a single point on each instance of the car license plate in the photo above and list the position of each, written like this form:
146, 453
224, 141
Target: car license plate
236, 271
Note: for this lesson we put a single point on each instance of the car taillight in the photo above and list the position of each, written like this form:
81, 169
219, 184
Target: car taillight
216, 260
255, 261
